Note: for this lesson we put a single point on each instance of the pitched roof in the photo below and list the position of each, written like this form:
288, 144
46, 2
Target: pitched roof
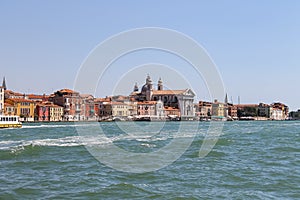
168, 92
86, 96
67, 91
6, 104
37, 96
147, 102
102, 99
246, 105
9, 92
18, 100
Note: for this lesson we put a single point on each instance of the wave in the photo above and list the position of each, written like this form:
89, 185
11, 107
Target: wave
70, 141
146, 139
59, 125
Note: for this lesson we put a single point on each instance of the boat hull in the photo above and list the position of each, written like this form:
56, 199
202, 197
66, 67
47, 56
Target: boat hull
10, 125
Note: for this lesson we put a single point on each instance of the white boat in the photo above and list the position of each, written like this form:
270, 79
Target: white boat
10, 121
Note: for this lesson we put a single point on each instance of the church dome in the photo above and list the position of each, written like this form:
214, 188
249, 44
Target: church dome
145, 88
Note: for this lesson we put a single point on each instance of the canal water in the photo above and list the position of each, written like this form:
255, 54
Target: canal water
250, 160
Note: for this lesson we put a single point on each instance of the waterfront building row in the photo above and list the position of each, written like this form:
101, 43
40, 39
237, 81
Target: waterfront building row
159, 104
261, 111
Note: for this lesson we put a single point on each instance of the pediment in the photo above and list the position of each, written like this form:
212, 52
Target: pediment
189, 92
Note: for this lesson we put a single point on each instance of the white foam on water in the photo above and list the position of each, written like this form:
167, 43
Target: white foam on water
59, 125
69, 141
73, 141
148, 145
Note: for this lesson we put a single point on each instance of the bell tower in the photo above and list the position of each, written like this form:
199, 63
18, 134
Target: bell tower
4, 83
149, 88
160, 84
135, 88
149, 82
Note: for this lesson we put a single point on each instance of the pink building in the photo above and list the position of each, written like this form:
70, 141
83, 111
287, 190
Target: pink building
42, 112
47, 111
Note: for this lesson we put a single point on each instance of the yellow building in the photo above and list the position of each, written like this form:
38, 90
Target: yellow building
218, 109
23, 107
9, 109
119, 109
56, 113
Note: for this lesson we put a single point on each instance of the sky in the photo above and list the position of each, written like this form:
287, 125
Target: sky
254, 44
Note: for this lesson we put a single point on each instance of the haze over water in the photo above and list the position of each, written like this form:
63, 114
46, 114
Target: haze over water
251, 160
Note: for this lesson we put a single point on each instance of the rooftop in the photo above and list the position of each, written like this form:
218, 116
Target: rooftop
246, 105
168, 92
147, 102
17, 100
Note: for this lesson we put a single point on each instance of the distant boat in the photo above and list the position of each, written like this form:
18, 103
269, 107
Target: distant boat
10, 121
218, 118
142, 118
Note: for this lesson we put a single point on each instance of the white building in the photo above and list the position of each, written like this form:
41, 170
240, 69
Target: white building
180, 99
277, 114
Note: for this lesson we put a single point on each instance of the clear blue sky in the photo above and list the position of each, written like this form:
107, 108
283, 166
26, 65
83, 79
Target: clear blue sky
255, 44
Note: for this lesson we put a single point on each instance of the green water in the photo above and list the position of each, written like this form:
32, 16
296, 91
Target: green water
251, 160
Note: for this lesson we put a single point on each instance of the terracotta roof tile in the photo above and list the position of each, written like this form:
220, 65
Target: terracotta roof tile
168, 92
67, 91
146, 102
7, 104
17, 100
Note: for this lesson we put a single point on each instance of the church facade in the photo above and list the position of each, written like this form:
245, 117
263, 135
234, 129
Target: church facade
178, 99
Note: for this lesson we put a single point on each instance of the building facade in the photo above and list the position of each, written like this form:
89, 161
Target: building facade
204, 110
9, 109
113, 109
24, 108
178, 99
56, 113
146, 108
279, 111
264, 110
218, 110
47, 111
42, 112
119, 109
70, 101
232, 111
89, 108
277, 114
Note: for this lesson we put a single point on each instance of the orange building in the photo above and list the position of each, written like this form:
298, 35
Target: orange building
23, 107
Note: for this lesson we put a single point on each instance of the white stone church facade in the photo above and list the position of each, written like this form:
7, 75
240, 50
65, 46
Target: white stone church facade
181, 99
